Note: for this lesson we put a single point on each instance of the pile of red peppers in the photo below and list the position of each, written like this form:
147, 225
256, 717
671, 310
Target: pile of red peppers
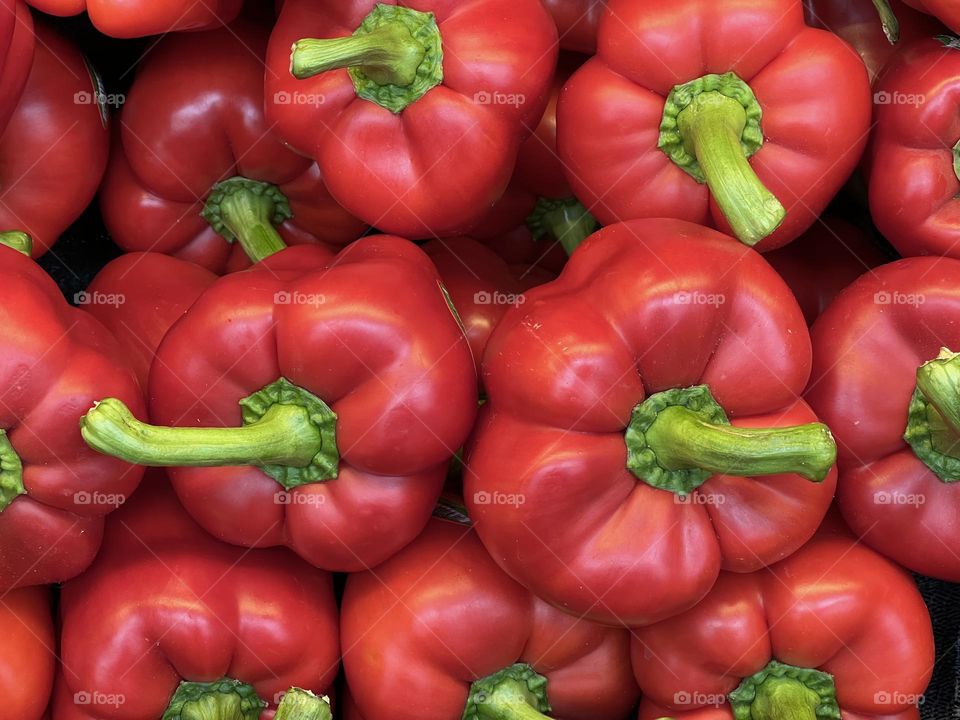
478, 359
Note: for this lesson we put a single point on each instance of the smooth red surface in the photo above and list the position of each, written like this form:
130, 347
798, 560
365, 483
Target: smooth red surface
857, 22
823, 261
813, 91
194, 117
54, 148
28, 652
165, 602
867, 348
136, 18
834, 605
16, 54
482, 285
406, 173
913, 186
139, 296
577, 22
423, 626
56, 362
378, 344
946, 10
563, 373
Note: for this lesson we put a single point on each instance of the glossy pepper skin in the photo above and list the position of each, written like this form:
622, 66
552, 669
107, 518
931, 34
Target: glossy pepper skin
484, 72
125, 19
54, 490
16, 56
461, 619
539, 209
834, 606
162, 191
27, 652
945, 10
644, 315
742, 118
345, 384
165, 602
824, 261
138, 297
54, 147
482, 286
872, 348
913, 159
577, 22
858, 22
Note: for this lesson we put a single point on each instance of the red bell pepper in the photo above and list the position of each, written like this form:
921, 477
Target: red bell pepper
16, 54
414, 110
138, 297
873, 28
913, 175
29, 651
823, 261
137, 18
180, 187
833, 631
316, 402
539, 197
54, 490
741, 117
577, 22
610, 391
881, 384
168, 621
440, 632
481, 285
946, 10
54, 146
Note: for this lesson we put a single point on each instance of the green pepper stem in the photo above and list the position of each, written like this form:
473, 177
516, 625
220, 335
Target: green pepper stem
566, 220
298, 704
510, 700
784, 698
284, 436
711, 127
224, 699
681, 440
888, 19
247, 211
11, 473
388, 55
19, 241
939, 382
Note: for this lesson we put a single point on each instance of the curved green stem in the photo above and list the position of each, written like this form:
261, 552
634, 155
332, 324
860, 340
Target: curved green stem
933, 416
711, 127
11, 473
514, 693
566, 220
290, 434
224, 699
247, 211
298, 704
888, 19
678, 438
19, 241
939, 381
786, 692
394, 57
